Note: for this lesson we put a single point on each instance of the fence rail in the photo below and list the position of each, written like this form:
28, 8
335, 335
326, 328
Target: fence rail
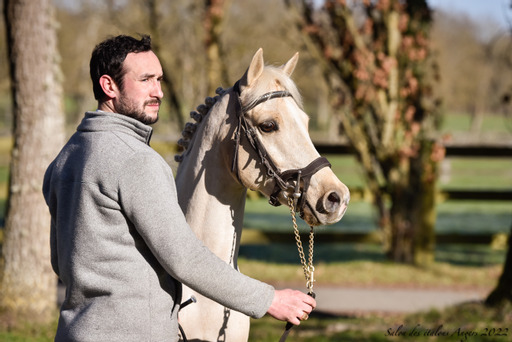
452, 150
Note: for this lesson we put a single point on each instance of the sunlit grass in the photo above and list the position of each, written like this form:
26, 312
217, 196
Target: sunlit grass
461, 122
356, 326
464, 322
377, 274
476, 173
453, 217
16, 331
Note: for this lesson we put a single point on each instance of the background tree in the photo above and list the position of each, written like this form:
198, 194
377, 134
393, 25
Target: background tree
503, 291
215, 58
472, 64
375, 59
28, 285
149, 17
155, 21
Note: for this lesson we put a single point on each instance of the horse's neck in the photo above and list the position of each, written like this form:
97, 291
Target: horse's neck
211, 199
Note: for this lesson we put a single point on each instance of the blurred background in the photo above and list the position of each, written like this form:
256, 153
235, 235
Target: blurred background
410, 102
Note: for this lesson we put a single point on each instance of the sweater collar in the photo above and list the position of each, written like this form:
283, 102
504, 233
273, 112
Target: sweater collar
104, 121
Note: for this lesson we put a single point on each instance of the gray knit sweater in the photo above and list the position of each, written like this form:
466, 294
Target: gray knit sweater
120, 242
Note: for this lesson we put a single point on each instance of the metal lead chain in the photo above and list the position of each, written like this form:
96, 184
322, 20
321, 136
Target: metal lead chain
307, 267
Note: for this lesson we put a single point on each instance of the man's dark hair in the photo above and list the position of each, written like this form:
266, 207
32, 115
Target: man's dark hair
108, 56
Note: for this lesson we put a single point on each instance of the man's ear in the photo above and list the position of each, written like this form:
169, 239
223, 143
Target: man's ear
109, 86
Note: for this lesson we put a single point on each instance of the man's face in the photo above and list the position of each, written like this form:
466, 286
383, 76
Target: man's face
141, 94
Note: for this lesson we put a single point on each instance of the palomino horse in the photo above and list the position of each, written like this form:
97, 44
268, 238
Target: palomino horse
251, 136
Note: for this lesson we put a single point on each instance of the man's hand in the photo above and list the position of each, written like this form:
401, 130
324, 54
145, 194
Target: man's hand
291, 306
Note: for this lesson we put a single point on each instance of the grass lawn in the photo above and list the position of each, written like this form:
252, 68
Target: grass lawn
28, 332
467, 318
467, 322
454, 217
367, 274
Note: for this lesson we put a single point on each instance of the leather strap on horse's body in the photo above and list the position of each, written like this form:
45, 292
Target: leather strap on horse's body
298, 174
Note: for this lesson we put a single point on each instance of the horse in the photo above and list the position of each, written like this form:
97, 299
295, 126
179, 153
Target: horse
253, 135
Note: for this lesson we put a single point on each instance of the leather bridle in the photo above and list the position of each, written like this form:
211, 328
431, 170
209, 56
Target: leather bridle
288, 181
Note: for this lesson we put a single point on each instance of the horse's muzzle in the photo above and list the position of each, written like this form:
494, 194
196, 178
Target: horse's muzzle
334, 205
328, 209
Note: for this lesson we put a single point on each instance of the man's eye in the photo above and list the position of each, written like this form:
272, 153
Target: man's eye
268, 126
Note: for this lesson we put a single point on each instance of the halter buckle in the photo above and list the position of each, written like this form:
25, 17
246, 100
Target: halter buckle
297, 193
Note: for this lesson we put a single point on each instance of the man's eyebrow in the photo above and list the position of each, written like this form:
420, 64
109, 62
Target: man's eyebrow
147, 75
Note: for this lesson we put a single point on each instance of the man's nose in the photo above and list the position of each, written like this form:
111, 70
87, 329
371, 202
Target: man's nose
157, 90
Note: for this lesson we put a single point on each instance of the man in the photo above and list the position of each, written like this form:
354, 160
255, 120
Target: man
119, 241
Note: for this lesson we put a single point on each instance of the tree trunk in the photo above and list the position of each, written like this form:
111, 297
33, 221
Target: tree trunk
402, 227
413, 212
503, 291
28, 284
425, 238
156, 42
215, 61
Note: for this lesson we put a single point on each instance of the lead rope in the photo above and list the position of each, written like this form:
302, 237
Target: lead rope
307, 267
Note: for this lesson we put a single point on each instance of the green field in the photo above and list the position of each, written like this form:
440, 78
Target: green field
455, 123
456, 172
454, 217
465, 322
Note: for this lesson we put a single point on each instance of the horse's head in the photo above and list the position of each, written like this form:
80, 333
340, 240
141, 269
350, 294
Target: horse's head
276, 155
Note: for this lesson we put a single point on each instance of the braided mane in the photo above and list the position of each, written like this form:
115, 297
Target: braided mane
269, 76
190, 128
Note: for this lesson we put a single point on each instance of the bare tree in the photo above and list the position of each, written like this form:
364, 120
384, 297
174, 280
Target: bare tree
503, 291
374, 56
215, 11
28, 284
149, 18
154, 21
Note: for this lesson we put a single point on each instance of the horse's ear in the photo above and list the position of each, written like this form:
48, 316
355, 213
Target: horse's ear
290, 65
256, 67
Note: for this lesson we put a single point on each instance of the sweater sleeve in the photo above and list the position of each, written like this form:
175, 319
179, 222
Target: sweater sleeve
147, 194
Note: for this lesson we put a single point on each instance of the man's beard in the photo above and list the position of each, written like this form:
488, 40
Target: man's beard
129, 108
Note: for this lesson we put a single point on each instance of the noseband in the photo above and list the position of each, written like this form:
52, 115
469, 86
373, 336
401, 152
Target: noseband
288, 181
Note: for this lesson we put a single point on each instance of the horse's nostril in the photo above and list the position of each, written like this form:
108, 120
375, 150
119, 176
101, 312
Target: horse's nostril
332, 202
333, 197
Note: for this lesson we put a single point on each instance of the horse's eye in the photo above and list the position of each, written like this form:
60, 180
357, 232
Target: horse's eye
268, 126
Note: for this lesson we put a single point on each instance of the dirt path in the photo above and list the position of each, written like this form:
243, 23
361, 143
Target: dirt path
336, 300
341, 300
